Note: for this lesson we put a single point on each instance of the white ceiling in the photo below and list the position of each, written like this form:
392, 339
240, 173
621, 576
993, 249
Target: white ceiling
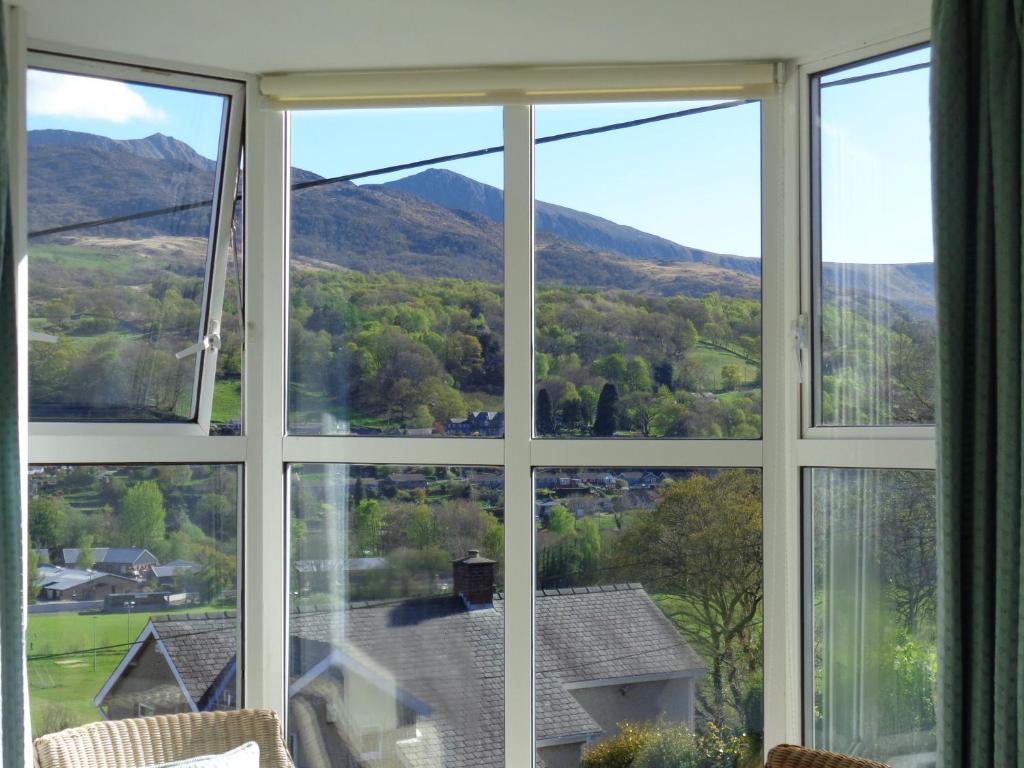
257, 36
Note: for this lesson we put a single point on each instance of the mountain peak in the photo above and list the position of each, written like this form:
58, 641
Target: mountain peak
156, 146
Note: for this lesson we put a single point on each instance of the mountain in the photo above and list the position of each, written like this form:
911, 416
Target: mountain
454, 191
433, 224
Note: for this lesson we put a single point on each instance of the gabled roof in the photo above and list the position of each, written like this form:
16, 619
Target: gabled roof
113, 555
172, 569
62, 579
451, 661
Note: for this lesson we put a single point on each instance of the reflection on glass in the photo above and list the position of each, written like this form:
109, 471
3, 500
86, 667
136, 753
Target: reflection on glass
874, 573
648, 617
395, 324
133, 588
876, 328
110, 305
396, 630
648, 299
226, 416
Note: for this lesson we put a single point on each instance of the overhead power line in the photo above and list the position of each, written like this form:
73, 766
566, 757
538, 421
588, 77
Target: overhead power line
298, 187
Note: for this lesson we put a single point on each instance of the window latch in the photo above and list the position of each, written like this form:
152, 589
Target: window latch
800, 340
209, 341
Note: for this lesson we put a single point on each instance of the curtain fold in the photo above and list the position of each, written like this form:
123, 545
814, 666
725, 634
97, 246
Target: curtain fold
13, 702
977, 184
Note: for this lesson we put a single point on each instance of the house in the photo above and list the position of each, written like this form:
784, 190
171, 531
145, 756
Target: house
421, 682
638, 479
494, 481
58, 583
135, 562
166, 574
480, 423
407, 481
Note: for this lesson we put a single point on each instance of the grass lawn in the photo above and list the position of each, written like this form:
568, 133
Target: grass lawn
711, 360
61, 689
227, 401
85, 258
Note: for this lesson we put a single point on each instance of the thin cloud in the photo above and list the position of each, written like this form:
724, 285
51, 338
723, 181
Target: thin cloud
52, 94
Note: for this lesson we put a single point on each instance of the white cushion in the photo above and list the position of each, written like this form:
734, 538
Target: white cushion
245, 756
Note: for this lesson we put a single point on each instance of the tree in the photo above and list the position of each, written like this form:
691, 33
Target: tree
545, 414
48, 521
604, 424
32, 564
638, 375
216, 572
730, 376
142, 515
422, 527
367, 527
561, 520
701, 548
663, 374
588, 403
86, 555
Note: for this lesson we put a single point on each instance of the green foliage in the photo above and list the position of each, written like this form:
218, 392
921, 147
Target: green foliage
141, 516
702, 549
561, 520
665, 745
48, 521
545, 414
367, 528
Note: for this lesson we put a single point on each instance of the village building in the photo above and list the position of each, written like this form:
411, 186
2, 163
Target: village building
479, 423
134, 562
58, 583
420, 682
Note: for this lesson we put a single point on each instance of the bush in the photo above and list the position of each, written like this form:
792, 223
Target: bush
662, 745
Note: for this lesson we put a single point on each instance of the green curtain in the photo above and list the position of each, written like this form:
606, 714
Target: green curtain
977, 185
12, 543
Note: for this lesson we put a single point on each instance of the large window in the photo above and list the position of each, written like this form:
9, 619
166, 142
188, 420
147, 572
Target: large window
599, 305
136, 318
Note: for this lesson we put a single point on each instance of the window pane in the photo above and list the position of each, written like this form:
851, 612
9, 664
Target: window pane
397, 625
110, 305
134, 588
874, 572
648, 246
873, 245
396, 322
649, 633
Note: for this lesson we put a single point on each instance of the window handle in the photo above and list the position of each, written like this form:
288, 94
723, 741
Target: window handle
209, 341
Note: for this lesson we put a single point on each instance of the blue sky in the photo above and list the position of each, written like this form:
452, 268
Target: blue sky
694, 180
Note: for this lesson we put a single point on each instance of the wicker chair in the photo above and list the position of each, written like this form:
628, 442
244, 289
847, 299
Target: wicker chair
789, 756
146, 741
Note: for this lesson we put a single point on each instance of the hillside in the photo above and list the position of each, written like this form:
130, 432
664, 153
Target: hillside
433, 224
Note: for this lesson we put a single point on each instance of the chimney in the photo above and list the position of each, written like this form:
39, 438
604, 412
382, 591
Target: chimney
474, 580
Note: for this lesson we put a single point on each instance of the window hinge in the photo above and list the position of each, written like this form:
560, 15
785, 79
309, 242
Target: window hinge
209, 341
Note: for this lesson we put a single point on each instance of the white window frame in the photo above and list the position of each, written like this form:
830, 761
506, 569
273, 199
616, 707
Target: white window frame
519, 452
788, 444
219, 242
834, 447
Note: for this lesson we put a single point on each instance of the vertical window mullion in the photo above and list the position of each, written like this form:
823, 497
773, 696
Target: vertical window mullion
519, 571
781, 492
265, 595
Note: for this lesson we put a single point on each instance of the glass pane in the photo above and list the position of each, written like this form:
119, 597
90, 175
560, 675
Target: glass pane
134, 589
397, 627
649, 640
874, 573
876, 322
648, 246
111, 304
396, 323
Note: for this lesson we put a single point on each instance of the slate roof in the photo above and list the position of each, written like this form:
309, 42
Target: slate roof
451, 660
119, 555
172, 569
202, 646
62, 579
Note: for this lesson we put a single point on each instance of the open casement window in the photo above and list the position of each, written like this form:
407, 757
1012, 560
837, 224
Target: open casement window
868, 454
133, 191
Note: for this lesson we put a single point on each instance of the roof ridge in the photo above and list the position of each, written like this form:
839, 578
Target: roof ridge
221, 615
598, 588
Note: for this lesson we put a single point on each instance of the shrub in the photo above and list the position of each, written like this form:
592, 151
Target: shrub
662, 745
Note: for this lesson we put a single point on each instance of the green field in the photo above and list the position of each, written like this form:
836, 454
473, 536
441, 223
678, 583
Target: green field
85, 258
227, 400
61, 689
712, 359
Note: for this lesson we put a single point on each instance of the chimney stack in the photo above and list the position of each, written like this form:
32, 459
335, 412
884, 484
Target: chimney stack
474, 578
